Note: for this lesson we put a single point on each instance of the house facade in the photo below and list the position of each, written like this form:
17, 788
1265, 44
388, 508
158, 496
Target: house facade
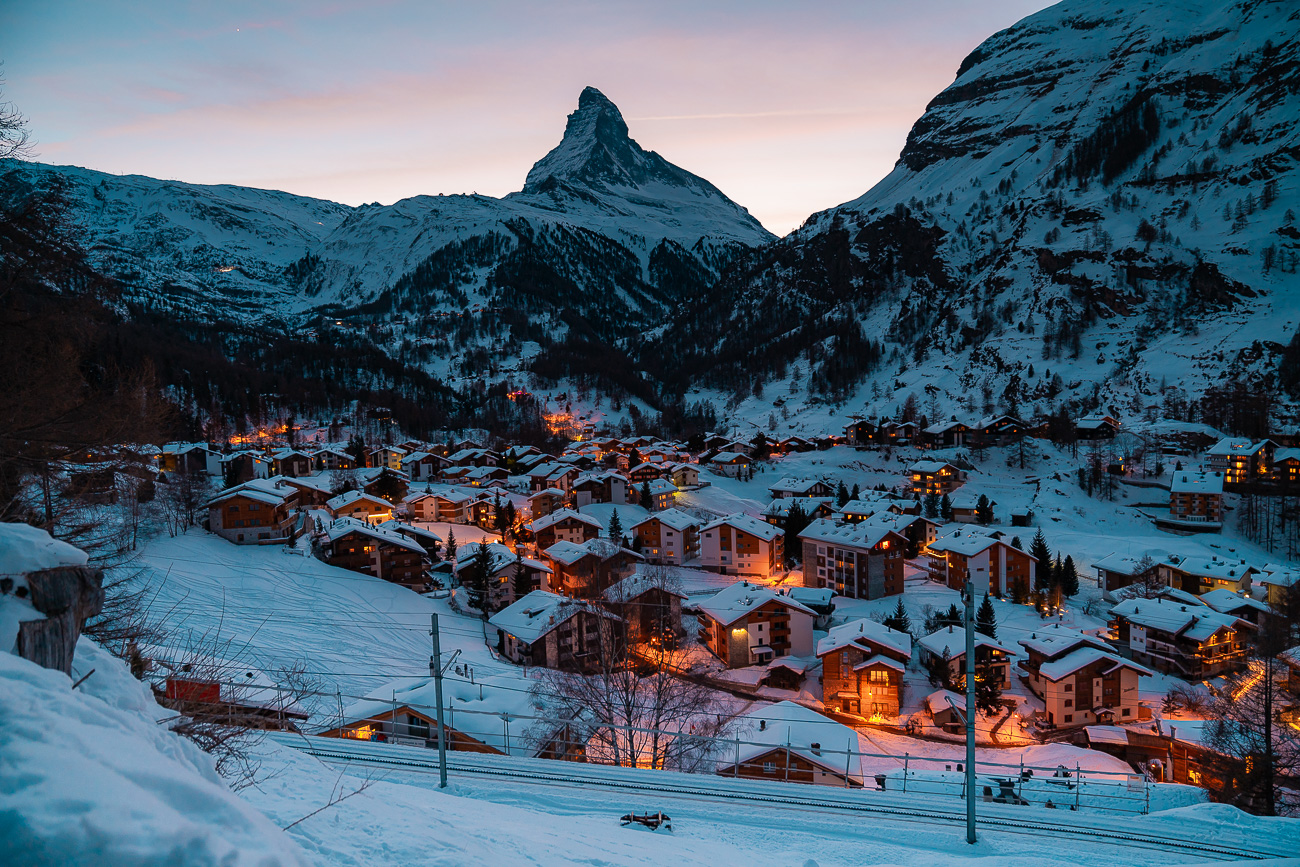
863, 663
1186, 639
248, 516
935, 477
669, 537
970, 554
554, 631
745, 624
360, 547
1080, 679
742, 545
859, 561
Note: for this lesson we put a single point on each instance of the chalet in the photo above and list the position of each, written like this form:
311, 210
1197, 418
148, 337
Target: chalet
545, 502
950, 643
859, 433
1080, 679
333, 459
422, 466
821, 600
564, 525
1001, 430
1278, 582
789, 672
360, 505
553, 475
670, 536
486, 715
790, 488
746, 624
858, 561
442, 503
871, 503
426, 539
1096, 427
685, 475
361, 547
249, 515
918, 531
791, 743
935, 477
945, 435
965, 506
383, 482
290, 462
1236, 605
946, 709
386, 456
604, 486
650, 604
502, 566
93, 483
485, 477
1241, 460
662, 493
777, 511
793, 445
971, 554
1117, 571
553, 631
742, 545
240, 467
1191, 641
1197, 575
586, 569
1196, 500
473, 457
189, 458
897, 432
645, 472
1286, 466
730, 464
863, 663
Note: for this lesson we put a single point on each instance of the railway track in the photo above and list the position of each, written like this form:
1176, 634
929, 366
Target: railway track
928, 814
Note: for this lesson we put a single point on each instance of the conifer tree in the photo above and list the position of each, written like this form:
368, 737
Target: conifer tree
1017, 544
984, 510
1069, 578
899, 620
647, 500
945, 508
615, 528
451, 544
931, 507
855, 493
986, 619
522, 581
1039, 550
841, 494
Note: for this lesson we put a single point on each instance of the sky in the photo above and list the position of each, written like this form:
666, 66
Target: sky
788, 108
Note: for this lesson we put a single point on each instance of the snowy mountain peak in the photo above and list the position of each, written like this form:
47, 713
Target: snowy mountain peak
598, 153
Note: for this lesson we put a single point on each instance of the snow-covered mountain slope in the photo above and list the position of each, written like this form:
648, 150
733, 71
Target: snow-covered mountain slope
602, 229
1099, 205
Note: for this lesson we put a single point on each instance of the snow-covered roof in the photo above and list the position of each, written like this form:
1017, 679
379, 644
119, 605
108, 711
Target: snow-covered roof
1196, 483
944, 699
1235, 446
929, 466
806, 733
24, 548
569, 553
674, 518
1055, 639
813, 597
548, 492
1216, 567
410, 530
342, 501
968, 500
255, 493
1226, 601
865, 534
1084, 657
539, 612
781, 506
340, 527
1093, 422
953, 639
560, 515
1196, 622
1116, 735
1279, 576
856, 632
661, 486
642, 579
730, 458
732, 603
499, 557
964, 540
797, 485
748, 524
1286, 455
1120, 564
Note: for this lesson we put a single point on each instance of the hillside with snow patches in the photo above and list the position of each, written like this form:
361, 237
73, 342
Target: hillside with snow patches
1101, 205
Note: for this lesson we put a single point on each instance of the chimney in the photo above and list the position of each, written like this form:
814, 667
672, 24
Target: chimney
762, 725
816, 749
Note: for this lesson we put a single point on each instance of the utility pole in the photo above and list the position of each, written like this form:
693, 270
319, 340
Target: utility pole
968, 596
435, 668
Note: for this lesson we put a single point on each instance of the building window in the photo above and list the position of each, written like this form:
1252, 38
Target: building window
879, 675
1069, 717
1125, 712
844, 657
769, 767
1069, 702
1069, 687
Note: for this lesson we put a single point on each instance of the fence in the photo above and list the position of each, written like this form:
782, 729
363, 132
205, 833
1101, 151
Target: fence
787, 752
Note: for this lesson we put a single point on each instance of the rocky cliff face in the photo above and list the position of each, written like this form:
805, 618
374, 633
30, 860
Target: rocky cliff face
1099, 209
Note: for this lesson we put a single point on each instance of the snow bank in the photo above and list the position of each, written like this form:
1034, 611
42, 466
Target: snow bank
89, 777
28, 549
